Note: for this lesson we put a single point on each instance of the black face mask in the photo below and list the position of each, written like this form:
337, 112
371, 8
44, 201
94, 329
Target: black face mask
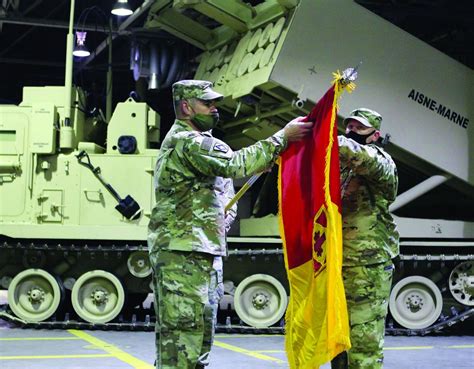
361, 139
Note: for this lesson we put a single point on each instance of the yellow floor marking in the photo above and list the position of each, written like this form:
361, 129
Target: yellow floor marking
460, 346
114, 351
247, 335
410, 348
247, 352
40, 339
428, 347
29, 357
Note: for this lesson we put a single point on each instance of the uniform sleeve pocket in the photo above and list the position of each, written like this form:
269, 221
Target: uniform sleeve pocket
215, 148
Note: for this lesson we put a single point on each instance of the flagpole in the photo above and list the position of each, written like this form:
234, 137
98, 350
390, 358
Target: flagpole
243, 190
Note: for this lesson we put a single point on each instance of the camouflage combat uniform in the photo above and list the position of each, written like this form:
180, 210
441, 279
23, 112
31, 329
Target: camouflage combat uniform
370, 241
186, 237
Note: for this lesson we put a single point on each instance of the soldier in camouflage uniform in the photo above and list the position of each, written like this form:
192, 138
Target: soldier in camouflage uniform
186, 237
369, 184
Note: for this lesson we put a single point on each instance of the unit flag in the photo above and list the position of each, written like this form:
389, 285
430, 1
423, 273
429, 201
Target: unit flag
317, 327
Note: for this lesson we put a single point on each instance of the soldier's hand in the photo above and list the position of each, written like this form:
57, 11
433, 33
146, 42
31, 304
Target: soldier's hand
296, 129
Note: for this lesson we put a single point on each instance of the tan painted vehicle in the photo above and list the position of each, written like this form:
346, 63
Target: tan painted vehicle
76, 192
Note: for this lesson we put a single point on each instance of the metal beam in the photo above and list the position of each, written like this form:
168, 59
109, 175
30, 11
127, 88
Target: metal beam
25, 34
31, 62
32, 6
181, 26
38, 22
137, 13
233, 14
418, 190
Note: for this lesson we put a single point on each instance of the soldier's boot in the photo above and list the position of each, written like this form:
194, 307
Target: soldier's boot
340, 361
203, 361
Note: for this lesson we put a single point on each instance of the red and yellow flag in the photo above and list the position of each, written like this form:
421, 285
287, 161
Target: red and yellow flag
317, 327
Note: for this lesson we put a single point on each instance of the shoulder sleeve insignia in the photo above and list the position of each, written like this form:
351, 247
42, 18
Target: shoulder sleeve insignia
221, 147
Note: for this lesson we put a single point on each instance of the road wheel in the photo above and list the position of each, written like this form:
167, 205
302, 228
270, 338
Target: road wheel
260, 300
97, 296
461, 283
415, 302
34, 295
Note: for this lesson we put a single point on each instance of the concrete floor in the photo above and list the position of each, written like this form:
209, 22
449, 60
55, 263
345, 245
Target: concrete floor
72, 349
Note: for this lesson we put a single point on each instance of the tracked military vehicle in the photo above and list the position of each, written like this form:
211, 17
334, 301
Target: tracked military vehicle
74, 210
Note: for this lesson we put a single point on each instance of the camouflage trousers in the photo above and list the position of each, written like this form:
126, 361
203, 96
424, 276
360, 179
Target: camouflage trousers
187, 290
367, 293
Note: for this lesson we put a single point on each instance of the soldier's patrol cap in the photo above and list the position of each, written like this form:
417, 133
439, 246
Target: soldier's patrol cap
367, 117
193, 88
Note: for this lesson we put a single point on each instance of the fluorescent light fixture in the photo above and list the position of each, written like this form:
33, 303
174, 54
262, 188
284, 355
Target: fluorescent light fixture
80, 50
121, 8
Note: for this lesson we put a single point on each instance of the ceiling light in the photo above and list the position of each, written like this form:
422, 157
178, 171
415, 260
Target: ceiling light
121, 8
80, 50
